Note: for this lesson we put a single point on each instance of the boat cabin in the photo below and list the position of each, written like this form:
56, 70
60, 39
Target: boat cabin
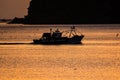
46, 36
56, 34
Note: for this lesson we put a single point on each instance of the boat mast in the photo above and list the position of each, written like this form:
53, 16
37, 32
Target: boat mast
51, 31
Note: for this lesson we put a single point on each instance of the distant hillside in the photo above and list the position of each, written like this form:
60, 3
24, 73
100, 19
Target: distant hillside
5, 20
72, 12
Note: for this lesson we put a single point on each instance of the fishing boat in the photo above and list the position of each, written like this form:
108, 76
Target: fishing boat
56, 37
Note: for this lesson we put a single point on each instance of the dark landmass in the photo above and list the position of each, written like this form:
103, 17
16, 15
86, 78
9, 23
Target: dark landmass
73, 12
17, 21
5, 20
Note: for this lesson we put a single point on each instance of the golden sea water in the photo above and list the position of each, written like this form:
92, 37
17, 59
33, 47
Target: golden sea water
97, 58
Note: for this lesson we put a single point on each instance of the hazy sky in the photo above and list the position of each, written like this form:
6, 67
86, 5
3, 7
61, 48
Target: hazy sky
13, 8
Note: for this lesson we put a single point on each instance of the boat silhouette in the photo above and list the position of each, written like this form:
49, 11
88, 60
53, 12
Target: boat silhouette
56, 37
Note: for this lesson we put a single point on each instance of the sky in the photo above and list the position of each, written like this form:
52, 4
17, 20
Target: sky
13, 8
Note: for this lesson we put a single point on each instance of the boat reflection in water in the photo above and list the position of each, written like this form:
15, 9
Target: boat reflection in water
71, 36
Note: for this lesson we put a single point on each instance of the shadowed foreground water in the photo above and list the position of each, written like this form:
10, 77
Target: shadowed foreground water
98, 58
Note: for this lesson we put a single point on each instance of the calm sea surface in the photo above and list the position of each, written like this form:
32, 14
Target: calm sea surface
97, 58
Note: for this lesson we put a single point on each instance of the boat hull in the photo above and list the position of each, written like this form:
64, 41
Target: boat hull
63, 40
